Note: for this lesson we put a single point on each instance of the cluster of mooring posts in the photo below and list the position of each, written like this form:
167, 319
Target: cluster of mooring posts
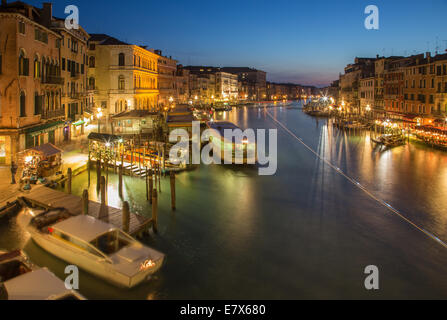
133, 154
152, 177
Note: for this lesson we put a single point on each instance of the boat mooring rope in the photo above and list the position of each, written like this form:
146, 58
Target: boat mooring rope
358, 185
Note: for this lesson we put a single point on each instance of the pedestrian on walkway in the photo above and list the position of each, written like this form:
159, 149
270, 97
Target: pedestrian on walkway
13, 172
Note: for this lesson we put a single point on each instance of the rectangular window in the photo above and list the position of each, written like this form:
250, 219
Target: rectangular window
68, 65
63, 64
21, 27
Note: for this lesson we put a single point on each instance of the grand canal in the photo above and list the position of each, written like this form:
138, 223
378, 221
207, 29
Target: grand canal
306, 232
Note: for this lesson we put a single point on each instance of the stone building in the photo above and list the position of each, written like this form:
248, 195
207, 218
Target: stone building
32, 111
182, 85
252, 82
420, 86
350, 82
167, 68
121, 76
367, 90
226, 86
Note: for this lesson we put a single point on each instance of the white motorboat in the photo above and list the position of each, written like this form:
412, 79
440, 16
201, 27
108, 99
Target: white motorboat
21, 280
96, 247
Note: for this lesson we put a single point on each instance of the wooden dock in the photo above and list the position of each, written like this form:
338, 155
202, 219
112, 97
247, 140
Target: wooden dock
50, 198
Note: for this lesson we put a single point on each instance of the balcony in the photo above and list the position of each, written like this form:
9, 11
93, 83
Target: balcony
50, 114
74, 95
52, 80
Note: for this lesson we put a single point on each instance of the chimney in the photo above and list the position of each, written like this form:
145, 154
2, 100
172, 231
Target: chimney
47, 14
4, 3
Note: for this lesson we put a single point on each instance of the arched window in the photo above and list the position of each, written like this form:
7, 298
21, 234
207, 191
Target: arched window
36, 67
22, 104
121, 83
91, 62
121, 59
23, 64
91, 83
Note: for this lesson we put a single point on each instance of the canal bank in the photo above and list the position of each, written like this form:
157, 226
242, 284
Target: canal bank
305, 232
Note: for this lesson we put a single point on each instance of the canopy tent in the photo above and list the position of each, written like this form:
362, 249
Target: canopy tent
47, 150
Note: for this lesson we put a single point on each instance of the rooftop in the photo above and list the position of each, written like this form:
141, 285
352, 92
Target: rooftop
105, 39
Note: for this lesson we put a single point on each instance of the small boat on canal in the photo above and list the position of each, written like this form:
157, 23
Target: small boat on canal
96, 247
22, 280
242, 152
389, 140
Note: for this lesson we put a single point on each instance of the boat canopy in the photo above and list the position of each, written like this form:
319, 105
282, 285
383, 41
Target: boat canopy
84, 227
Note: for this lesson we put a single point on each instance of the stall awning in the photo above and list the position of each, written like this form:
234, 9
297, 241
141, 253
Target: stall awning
103, 137
44, 128
47, 149
78, 123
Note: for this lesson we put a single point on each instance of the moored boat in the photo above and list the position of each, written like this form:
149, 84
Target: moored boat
96, 247
22, 280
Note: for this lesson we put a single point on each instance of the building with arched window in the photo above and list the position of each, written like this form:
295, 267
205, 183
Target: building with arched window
126, 75
32, 86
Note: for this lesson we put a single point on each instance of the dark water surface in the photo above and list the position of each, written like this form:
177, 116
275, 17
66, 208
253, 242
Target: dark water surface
306, 232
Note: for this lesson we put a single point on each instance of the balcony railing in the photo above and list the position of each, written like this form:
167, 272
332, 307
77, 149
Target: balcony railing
52, 80
49, 114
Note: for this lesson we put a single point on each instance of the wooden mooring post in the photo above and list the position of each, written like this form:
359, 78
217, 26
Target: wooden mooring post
89, 163
69, 177
85, 202
120, 180
154, 211
98, 172
126, 217
146, 184
103, 209
159, 178
151, 185
172, 180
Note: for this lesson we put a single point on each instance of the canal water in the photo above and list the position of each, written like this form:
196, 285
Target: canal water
308, 232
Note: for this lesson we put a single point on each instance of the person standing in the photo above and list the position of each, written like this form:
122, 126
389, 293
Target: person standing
13, 172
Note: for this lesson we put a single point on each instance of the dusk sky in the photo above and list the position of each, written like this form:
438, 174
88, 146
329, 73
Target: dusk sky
307, 42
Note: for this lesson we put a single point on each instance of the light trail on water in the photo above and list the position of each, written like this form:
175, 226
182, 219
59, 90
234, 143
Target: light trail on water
357, 184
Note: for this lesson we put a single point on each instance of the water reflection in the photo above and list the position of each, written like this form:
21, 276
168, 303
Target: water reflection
304, 233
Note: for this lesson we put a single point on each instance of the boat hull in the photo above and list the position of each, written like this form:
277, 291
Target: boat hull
84, 260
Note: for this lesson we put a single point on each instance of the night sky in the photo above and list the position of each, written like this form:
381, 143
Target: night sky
306, 42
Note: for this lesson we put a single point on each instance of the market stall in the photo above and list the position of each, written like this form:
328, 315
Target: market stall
40, 162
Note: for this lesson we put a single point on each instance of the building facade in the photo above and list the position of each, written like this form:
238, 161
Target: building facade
121, 76
32, 81
252, 82
167, 69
